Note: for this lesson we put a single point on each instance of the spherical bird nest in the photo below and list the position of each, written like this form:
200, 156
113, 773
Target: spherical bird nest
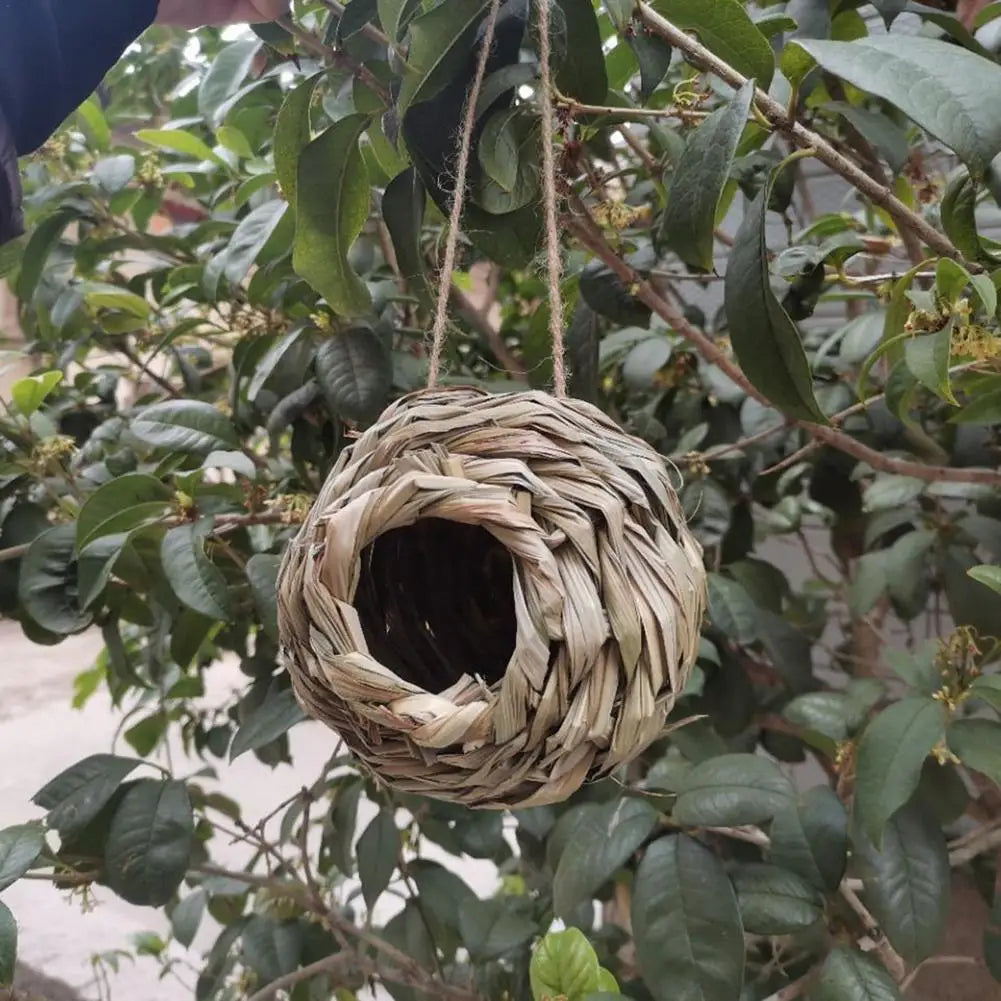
494, 599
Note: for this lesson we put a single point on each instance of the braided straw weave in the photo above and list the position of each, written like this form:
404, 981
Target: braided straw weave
494, 599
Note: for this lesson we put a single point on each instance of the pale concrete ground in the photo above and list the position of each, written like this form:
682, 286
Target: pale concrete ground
40, 734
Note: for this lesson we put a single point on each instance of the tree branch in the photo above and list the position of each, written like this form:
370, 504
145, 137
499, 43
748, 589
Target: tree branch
329, 964
805, 138
591, 236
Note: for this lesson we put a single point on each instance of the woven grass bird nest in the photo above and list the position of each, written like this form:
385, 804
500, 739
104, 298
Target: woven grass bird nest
494, 599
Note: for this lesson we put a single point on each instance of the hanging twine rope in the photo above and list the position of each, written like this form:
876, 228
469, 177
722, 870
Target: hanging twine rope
458, 201
554, 260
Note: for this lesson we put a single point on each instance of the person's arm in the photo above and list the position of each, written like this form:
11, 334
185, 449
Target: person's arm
54, 53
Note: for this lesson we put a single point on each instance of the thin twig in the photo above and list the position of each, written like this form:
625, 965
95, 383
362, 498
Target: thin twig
892, 960
979, 842
805, 138
794, 990
591, 236
479, 321
336, 963
936, 961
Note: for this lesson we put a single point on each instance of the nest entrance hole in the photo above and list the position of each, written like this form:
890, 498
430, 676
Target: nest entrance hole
436, 601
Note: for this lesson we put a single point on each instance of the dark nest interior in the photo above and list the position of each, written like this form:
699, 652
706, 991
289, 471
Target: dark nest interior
436, 601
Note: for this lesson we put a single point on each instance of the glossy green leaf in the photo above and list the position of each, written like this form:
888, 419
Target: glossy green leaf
75, 796
907, 881
604, 838
879, 130
850, 975
262, 573
491, 928
30, 393
810, 838
48, 585
195, 579
698, 180
355, 372
654, 56
19, 847
272, 949
227, 71
185, 426
686, 923
775, 901
731, 790
150, 842
292, 135
180, 141
604, 292
927, 357
765, 340
332, 200
8, 946
725, 28
564, 964
186, 917
890, 755
403, 205
580, 61
731, 609
939, 85
958, 214
275, 716
250, 237
440, 43
378, 853
989, 575
977, 743
120, 505
508, 154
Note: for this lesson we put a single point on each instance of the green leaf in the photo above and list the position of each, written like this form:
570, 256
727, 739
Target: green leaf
250, 237
194, 578
30, 393
292, 135
775, 901
75, 796
332, 199
810, 837
354, 370
226, 72
977, 743
907, 881
275, 716
440, 43
938, 85
262, 573
604, 838
725, 28
48, 586
604, 292
491, 928
731, 609
698, 181
185, 426
187, 916
984, 574
765, 340
36, 253
508, 154
580, 62
19, 847
378, 853
988, 688
885, 134
582, 346
958, 213
731, 790
564, 964
272, 949
827, 713
149, 842
120, 505
686, 923
927, 358
403, 205
8, 946
179, 141
850, 975
442, 893
890, 755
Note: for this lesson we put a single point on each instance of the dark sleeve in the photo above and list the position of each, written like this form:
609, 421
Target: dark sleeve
54, 53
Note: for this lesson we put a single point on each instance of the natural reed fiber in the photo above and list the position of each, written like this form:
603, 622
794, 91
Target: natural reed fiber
494, 599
